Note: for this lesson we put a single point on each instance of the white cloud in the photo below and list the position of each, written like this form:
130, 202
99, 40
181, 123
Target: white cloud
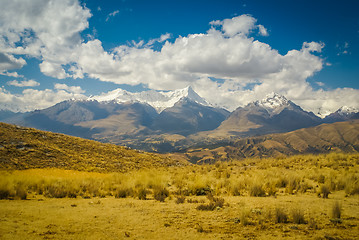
320, 84
263, 31
9, 62
32, 99
25, 83
238, 25
161, 39
70, 89
248, 68
44, 29
112, 14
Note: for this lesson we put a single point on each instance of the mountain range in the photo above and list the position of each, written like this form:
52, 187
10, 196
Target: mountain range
169, 121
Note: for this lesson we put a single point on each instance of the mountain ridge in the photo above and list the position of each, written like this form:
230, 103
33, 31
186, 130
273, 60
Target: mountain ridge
121, 118
325, 138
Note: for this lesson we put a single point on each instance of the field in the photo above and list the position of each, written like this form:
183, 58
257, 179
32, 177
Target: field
299, 197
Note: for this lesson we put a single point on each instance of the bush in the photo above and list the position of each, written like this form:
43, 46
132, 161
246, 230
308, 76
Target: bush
257, 190
280, 216
123, 193
321, 179
214, 203
201, 191
55, 190
180, 200
160, 194
298, 216
324, 190
243, 218
5, 193
336, 210
142, 194
20, 192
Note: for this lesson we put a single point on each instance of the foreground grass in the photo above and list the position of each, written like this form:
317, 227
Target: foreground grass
305, 197
241, 218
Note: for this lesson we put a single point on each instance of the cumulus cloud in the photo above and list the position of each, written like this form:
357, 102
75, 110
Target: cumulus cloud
263, 31
32, 99
70, 89
25, 83
9, 62
226, 60
238, 25
49, 30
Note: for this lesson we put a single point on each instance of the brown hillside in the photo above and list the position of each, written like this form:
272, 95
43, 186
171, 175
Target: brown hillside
25, 148
335, 137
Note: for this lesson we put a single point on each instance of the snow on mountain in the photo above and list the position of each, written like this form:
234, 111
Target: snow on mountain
345, 110
272, 101
159, 100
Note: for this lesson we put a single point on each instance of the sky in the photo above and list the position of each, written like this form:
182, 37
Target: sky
229, 52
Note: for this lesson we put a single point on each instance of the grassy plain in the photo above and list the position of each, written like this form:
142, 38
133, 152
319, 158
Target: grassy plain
299, 197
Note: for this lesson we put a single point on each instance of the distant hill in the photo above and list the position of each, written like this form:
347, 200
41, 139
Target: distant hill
325, 138
25, 148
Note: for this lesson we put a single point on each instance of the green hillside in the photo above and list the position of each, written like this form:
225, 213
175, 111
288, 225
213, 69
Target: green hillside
26, 148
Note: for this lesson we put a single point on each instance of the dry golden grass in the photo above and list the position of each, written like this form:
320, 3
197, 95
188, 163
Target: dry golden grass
241, 199
27, 148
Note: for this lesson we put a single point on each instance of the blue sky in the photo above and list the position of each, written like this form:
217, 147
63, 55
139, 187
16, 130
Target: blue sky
305, 50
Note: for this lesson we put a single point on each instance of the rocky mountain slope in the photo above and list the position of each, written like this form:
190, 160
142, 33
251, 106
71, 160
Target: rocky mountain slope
274, 114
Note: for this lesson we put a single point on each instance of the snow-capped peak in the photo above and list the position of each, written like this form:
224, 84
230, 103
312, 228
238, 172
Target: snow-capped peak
272, 101
159, 100
345, 110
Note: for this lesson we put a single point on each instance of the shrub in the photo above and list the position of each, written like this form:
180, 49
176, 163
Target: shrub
243, 218
123, 192
257, 190
180, 200
352, 187
55, 190
280, 216
201, 191
324, 190
282, 182
321, 178
298, 216
142, 194
20, 192
5, 193
214, 203
292, 185
336, 210
160, 194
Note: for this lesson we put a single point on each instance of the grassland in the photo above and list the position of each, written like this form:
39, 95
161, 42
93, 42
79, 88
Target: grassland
26, 148
298, 197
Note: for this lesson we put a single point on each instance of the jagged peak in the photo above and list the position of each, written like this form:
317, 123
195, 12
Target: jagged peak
345, 110
273, 100
159, 100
